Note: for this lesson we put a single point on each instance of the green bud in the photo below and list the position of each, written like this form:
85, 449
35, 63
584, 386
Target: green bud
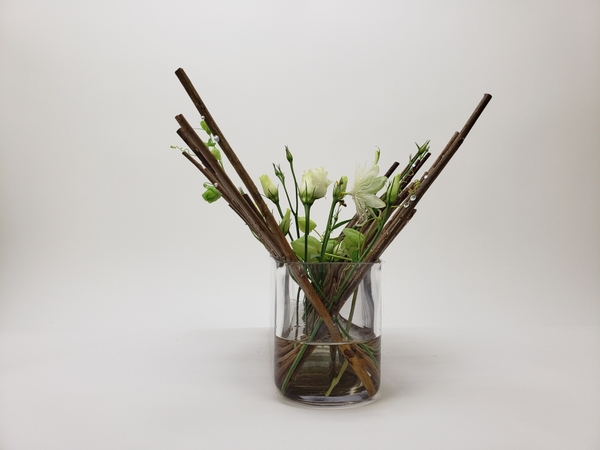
302, 224
331, 245
422, 148
269, 188
285, 223
278, 173
377, 153
288, 154
204, 126
339, 188
393, 190
217, 154
314, 248
336, 190
343, 183
211, 194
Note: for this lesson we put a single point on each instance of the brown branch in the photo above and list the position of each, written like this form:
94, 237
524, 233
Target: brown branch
281, 244
228, 189
392, 169
402, 216
235, 162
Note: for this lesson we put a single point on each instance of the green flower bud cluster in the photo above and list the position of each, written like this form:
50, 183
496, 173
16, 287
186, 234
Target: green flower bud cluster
211, 194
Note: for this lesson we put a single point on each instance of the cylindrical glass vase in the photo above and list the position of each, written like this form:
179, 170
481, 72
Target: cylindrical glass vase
328, 332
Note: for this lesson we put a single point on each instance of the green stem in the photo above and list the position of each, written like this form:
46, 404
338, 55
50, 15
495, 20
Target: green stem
328, 229
297, 311
351, 315
336, 380
279, 210
293, 368
306, 230
295, 209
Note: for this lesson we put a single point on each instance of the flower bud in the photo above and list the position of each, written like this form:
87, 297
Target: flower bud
204, 126
285, 223
343, 183
278, 173
288, 154
217, 154
336, 190
339, 188
393, 189
269, 188
377, 154
211, 194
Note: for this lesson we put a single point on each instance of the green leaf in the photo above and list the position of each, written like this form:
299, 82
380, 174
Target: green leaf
302, 224
352, 243
314, 248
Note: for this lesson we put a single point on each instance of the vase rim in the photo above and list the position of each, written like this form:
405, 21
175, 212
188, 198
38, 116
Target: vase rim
372, 263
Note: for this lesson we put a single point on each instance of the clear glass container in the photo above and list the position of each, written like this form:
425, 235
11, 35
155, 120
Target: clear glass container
328, 332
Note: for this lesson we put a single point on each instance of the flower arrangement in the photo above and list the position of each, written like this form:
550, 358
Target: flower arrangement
348, 246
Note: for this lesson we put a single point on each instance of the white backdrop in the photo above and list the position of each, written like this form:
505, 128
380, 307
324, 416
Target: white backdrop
102, 224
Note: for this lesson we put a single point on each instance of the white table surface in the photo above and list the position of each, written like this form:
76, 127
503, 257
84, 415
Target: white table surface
442, 388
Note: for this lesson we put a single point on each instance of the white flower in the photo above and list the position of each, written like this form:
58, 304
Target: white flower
366, 184
313, 185
269, 188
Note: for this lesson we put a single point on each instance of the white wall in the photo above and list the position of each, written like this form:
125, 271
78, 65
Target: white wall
102, 224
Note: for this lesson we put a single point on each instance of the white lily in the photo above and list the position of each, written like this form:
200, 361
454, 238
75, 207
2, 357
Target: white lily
366, 185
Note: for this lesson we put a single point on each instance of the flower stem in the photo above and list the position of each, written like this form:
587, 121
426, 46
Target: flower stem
295, 208
292, 209
328, 229
279, 210
351, 315
306, 230
336, 380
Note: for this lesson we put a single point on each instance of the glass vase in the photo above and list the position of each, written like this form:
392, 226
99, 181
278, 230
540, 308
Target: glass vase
327, 332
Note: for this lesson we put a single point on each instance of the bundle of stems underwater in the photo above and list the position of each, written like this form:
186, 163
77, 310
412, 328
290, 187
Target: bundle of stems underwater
360, 239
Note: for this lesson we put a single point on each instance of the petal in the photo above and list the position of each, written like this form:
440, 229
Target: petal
373, 201
377, 184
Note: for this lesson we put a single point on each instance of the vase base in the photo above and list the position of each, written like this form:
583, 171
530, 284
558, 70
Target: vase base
348, 401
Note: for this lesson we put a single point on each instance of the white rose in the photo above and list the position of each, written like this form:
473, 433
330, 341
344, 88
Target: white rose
313, 185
